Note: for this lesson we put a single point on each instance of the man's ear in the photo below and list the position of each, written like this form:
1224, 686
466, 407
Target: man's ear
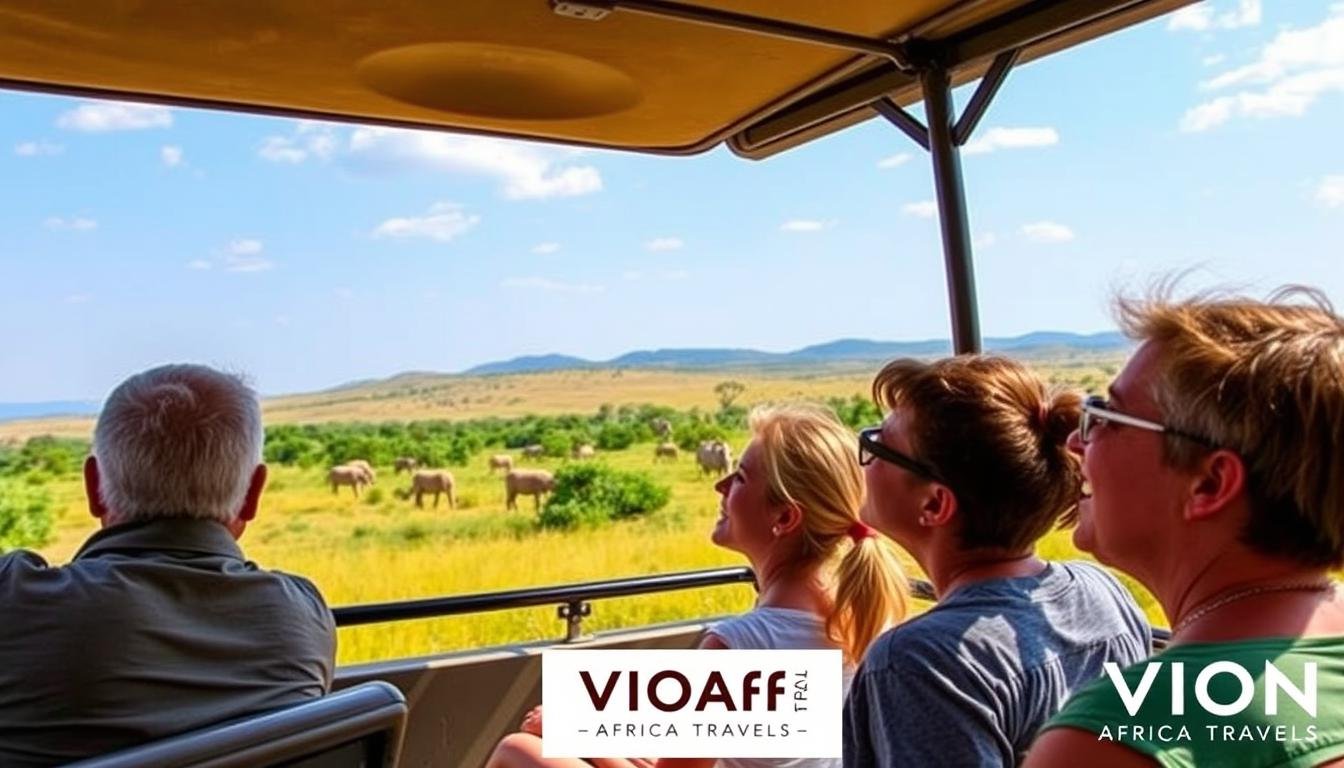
91, 483
790, 519
253, 497
1219, 480
939, 508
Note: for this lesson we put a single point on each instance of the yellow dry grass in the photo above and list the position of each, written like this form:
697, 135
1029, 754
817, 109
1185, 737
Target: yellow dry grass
381, 548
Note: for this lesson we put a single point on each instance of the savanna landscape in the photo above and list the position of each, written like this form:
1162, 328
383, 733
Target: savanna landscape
380, 547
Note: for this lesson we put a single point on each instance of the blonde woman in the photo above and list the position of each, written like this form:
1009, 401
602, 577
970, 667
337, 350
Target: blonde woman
791, 508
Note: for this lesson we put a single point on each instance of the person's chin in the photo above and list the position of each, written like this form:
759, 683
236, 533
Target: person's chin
1085, 533
719, 535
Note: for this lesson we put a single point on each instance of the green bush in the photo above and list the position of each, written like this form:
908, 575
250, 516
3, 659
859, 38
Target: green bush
856, 412
53, 455
589, 493
689, 436
25, 516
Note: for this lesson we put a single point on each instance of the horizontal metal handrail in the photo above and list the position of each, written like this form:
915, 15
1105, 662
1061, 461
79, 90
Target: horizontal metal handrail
372, 613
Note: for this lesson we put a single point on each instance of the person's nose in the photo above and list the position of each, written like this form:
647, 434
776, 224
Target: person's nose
722, 486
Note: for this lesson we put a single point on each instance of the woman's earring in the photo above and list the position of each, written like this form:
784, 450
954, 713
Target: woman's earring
775, 530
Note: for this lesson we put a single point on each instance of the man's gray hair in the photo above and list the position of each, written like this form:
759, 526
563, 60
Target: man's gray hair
177, 441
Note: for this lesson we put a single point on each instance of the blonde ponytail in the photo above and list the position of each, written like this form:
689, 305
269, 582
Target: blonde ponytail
870, 596
811, 460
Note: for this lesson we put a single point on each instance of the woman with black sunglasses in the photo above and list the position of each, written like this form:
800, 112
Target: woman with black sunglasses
967, 472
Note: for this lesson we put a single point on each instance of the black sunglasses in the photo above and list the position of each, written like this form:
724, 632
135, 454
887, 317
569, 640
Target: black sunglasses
870, 448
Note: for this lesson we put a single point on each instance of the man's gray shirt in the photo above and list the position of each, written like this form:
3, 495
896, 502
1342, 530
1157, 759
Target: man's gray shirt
153, 629
971, 681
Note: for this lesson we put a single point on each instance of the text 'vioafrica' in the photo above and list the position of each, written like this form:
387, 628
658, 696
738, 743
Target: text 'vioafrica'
1273, 680
714, 691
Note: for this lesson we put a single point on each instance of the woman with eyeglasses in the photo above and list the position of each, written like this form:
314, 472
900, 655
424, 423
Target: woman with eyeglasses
968, 470
825, 579
1216, 479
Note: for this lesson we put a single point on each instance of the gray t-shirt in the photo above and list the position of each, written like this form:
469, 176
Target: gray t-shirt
155, 628
971, 681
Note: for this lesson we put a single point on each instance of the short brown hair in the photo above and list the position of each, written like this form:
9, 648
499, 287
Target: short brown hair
1264, 379
996, 433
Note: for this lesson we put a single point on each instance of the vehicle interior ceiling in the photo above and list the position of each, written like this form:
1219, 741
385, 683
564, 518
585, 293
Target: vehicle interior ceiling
607, 73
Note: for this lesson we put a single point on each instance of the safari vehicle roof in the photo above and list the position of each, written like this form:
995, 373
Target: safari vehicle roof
651, 76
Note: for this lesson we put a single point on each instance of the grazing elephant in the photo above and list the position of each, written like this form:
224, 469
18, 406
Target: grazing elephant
714, 456
435, 481
665, 451
366, 466
404, 462
501, 461
348, 474
528, 482
585, 451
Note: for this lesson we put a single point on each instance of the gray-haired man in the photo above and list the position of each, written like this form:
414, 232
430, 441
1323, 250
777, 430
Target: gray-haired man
159, 625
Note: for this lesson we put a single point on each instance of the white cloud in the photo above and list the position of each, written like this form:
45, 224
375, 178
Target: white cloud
444, 222
894, 161
673, 274
984, 240
78, 298
1203, 17
1194, 18
632, 275
550, 286
245, 247
543, 249
924, 209
1011, 138
1290, 73
805, 225
1213, 60
97, 117
171, 155
201, 264
244, 255
36, 148
664, 244
309, 139
525, 171
1330, 193
1047, 232
77, 223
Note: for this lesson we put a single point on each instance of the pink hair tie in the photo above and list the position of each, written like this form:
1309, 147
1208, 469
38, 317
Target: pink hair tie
858, 531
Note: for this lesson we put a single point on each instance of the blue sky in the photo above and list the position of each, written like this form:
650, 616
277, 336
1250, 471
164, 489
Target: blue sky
306, 255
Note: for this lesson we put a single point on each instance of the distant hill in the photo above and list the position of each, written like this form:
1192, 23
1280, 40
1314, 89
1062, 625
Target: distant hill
16, 411
529, 363
840, 351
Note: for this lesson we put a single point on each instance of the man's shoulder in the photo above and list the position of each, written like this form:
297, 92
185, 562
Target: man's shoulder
17, 559
18, 566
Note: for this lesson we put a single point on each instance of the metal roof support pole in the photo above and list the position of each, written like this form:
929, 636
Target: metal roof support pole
951, 208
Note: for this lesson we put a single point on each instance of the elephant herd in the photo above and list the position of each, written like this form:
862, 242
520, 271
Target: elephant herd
714, 457
358, 473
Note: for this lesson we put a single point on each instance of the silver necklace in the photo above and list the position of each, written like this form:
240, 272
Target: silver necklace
1204, 609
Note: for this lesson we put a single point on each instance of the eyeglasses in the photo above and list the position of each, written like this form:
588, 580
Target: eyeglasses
1097, 411
871, 448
